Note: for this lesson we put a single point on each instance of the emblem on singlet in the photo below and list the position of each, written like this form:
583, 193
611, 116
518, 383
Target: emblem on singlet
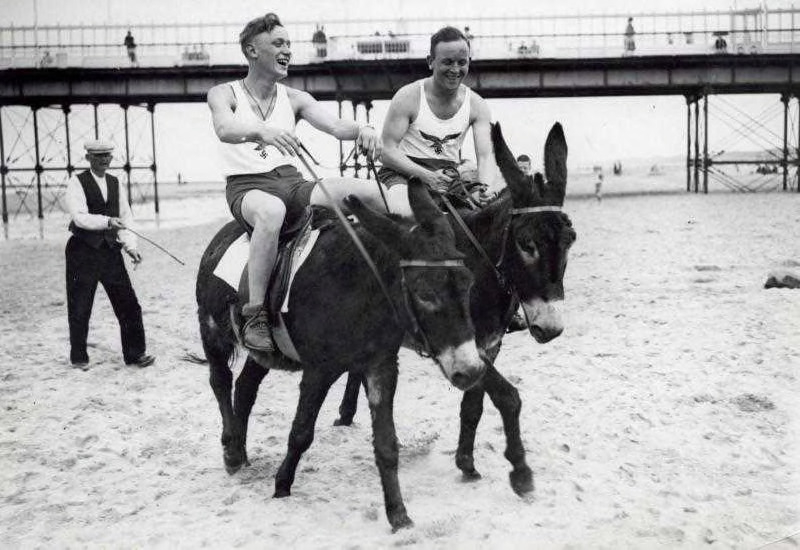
437, 144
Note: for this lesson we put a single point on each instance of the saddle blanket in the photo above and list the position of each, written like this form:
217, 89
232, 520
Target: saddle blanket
231, 269
233, 263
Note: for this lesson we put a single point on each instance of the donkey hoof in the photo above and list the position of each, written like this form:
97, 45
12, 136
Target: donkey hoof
466, 464
234, 462
470, 475
521, 480
281, 493
400, 521
343, 422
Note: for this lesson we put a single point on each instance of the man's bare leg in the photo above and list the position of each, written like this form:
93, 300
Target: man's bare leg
265, 213
397, 195
366, 190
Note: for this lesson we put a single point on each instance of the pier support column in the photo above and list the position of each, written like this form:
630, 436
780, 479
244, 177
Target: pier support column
688, 143
38, 166
3, 172
696, 145
785, 158
127, 165
341, 145
706, 160
152, 108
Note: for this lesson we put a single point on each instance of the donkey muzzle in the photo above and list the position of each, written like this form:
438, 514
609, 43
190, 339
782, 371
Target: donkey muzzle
462, 365
544, 320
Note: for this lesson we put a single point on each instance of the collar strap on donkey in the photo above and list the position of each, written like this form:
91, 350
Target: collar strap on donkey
431, 263
535, 209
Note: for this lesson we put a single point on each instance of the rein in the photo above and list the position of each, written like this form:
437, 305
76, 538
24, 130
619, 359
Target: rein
415, 331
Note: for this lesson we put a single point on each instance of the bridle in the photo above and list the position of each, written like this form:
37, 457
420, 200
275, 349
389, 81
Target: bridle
496, 267
421, 342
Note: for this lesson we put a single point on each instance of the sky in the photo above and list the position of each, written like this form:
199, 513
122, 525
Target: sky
599, 130
21, 12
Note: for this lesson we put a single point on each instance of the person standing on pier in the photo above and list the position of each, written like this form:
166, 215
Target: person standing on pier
630, 44
428, 121
130, 45
100, 216
254, 119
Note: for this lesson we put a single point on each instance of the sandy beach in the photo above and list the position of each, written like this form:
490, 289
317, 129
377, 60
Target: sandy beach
666, 415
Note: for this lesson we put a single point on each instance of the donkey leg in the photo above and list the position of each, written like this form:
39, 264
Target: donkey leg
349, 404
246, 390
220, 379
381, 384
506, 399
471, 412
313, 388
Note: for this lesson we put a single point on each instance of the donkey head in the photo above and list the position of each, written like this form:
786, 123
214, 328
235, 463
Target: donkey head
540, 235
436, 283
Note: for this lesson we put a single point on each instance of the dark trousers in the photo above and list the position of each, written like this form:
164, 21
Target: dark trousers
87, 266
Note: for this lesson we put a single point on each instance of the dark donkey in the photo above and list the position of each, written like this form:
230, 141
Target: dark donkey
525, 239
340, 320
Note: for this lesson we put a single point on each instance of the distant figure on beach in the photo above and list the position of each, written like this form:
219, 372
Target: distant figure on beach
630, 44
524, 163
618, 168
101, 217
428, 121
130, 45
254, 119
320, 41
598, 187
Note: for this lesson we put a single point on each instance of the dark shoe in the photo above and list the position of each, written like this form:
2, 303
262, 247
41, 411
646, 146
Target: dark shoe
257, 334
142, 362
83, 365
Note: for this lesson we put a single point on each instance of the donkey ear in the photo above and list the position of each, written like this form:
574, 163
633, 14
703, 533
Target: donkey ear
425, 210
555, 161
379, 225
517, 183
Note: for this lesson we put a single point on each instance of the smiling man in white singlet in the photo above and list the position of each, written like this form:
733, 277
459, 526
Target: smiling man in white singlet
254, 119
428, 120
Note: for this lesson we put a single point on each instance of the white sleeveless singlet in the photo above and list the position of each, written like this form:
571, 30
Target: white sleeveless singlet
245, 158
430, 137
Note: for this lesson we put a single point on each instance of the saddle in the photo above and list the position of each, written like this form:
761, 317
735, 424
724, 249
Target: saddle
293, 248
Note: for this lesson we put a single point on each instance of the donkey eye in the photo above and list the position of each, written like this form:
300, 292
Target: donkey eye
426, 296
528, 248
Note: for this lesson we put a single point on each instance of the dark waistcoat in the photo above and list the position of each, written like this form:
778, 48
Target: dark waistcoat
94, 200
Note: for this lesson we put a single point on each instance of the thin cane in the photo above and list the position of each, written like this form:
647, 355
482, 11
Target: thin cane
158, 246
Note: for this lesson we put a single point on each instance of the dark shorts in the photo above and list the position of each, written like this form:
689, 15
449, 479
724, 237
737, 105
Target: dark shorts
389, 178
284, 182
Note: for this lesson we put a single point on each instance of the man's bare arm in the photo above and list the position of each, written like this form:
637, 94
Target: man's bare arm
314, 113
481, 134
222, 103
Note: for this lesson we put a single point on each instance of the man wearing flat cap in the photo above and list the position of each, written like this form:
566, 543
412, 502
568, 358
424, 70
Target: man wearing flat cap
100, 216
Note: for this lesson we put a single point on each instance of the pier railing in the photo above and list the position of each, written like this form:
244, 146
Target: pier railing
740, 31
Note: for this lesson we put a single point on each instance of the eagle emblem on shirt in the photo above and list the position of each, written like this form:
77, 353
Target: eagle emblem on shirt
437, 144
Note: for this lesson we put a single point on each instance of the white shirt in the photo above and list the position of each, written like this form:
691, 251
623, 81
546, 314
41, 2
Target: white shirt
79, 210
246, 157
430, 137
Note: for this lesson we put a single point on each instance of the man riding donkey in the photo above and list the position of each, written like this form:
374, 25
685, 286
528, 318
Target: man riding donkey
428, 121
255, 119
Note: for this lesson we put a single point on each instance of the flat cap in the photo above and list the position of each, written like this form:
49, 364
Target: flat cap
98, 146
